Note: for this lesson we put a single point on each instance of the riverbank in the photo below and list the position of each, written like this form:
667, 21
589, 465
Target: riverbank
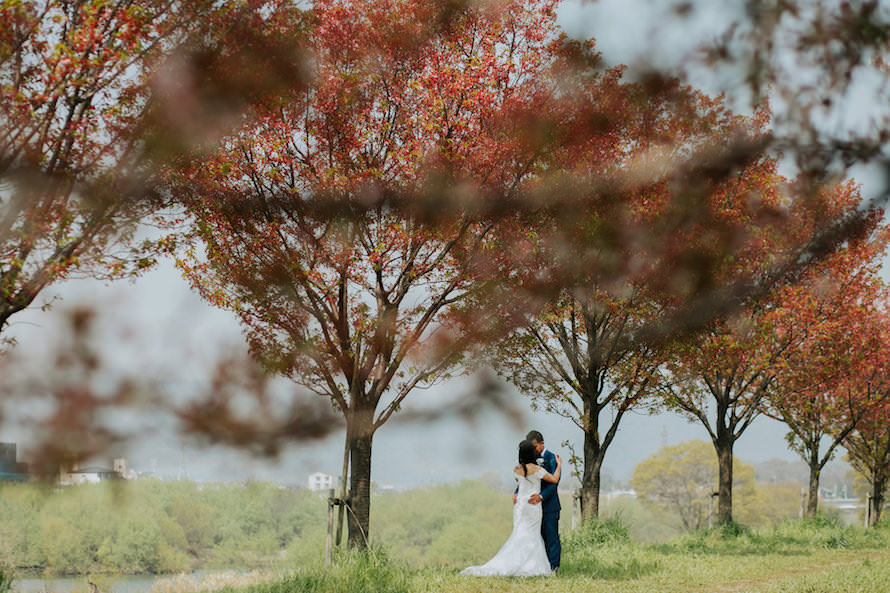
813, 556
181, 583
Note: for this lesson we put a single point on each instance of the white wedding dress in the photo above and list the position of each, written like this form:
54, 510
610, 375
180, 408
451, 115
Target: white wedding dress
523, 554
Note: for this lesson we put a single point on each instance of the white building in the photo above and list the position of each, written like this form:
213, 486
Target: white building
322, 482
94, 475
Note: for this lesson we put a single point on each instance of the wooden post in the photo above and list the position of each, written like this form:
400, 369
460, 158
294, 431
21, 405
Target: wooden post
329, 537
344, 476
803, 502
867, 508
711, 509
576, 505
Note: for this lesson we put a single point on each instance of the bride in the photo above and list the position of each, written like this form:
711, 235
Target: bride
523, 554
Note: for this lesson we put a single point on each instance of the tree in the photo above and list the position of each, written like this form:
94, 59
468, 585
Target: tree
868, 447
590, 348
683, 477
95, 97
72, 88
91, 110
360, 307
722, 376
575, 359
833, 377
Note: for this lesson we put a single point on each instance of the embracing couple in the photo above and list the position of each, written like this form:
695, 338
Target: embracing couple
533, 547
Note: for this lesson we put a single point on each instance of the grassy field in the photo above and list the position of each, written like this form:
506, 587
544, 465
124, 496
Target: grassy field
792, 558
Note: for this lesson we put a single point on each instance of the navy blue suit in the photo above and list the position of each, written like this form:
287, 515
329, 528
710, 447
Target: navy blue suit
550, 507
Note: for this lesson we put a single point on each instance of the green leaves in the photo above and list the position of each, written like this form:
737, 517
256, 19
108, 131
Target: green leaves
151, 527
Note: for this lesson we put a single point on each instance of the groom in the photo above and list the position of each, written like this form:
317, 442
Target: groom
548, 499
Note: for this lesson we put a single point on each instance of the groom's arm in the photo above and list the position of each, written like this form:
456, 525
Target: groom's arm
548, 489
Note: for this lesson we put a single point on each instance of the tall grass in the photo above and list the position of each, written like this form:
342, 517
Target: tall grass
359, 571
788, 537
6, 577
603, 549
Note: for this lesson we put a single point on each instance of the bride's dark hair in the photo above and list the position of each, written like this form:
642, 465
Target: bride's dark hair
526, 455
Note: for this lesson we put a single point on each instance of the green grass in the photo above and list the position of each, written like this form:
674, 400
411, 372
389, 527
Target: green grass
789, 537
822, 571
859, 577
819, 556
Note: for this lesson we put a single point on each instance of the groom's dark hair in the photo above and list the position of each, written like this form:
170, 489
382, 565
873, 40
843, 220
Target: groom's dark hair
534, 435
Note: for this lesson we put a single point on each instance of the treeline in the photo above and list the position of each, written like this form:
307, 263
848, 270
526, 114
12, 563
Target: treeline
153, 527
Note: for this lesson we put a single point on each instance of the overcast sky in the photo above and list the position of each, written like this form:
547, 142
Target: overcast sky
156, 322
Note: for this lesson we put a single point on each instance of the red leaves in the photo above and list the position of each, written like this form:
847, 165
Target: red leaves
406, 95
72, 93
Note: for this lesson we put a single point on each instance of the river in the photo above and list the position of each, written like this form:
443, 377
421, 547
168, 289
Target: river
182, 583
117, 584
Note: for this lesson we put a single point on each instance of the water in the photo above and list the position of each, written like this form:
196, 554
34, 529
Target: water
118, 584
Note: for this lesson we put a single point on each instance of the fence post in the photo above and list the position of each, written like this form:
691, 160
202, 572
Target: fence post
576, 504
329, 536
711, 508
803, 502
867, 508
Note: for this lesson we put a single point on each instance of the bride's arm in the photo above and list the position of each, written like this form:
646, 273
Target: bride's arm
554, 477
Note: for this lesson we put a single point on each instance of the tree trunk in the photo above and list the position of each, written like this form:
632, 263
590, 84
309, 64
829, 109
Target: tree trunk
360, 435
724, 489
813, 495
590, 481
877, 501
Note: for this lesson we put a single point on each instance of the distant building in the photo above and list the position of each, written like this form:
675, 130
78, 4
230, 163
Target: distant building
322, 482
10, 468
620, 493
95, 474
